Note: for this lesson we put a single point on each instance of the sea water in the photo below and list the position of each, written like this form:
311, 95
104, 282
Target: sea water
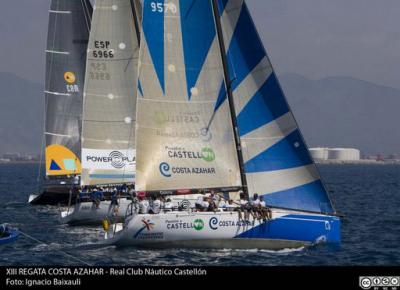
367, 195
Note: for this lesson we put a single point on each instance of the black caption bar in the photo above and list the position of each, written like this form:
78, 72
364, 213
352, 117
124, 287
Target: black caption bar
279, 277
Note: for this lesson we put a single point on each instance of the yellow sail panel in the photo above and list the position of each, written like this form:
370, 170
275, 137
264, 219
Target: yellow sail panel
61, 161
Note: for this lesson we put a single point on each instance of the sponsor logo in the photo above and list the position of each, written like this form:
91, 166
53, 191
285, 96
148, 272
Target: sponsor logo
165, 169
162, 117
147, 225
198, 224
204, 134
70, 77
379, 282
207, 154
116, 158
213, 223
61, 161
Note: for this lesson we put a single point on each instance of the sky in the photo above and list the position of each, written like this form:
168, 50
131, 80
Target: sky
313, 38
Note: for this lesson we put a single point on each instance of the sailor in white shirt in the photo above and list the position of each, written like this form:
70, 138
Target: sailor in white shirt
255, 202
77, 179
230, 206
255, 206
215, 198
155, 206
244, 207
168, 206
143, 206
262, 201
265, 212
201, 203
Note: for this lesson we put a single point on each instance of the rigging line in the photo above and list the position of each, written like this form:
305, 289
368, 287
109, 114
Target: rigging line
86, 14
135, 19
63, 252
220, 36
128, 63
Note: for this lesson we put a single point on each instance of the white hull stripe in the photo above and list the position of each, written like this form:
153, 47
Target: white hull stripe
280, 180
263, 138
57, 94
251, 84
303, 219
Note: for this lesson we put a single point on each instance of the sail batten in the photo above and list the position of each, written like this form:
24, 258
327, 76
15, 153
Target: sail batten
65, 71
184, 130
277, 162
108, 138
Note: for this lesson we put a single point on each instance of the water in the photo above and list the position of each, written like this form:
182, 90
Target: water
368, 196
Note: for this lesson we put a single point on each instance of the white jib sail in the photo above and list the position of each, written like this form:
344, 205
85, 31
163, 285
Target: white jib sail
108, 139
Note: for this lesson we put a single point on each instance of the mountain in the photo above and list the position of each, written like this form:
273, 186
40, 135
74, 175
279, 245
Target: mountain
345, 112
334, 112
21, 115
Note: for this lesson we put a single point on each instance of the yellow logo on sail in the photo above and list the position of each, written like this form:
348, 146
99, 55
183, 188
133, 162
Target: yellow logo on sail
61, 161
70, 77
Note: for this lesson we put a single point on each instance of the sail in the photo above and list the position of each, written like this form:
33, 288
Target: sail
184, 133
277, 162
68, 33
108, 137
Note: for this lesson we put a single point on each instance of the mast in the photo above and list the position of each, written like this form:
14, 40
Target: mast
230, 95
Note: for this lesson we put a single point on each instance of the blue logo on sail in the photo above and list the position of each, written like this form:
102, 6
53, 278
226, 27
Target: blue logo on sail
165, 169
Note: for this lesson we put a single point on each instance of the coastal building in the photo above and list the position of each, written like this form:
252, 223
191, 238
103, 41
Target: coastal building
335, 154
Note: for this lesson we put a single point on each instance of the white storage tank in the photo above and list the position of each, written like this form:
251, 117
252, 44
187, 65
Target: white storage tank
344, 154
319, 153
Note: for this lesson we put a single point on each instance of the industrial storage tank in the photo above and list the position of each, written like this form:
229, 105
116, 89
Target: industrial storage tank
344, 154
319, 154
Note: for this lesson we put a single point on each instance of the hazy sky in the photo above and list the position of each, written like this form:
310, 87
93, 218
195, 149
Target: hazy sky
314, 38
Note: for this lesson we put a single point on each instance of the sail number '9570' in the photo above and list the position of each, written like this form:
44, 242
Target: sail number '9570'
163, 7
102, 49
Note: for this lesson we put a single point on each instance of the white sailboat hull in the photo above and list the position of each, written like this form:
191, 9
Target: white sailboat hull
87, 213
287, 229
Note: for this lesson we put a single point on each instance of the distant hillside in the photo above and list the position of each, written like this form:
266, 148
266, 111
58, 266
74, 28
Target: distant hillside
345, 112
21, 115
337, 111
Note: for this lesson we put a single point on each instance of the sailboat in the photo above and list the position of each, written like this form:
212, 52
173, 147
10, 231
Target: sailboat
211, 115
68, 34
108, 136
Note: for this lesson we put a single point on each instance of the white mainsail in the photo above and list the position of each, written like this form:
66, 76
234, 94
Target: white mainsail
184, 132
108, 141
